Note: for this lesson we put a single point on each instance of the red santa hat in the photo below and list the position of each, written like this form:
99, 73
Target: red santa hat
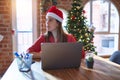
55, 13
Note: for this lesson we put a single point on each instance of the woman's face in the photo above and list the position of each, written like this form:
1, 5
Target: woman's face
51, 23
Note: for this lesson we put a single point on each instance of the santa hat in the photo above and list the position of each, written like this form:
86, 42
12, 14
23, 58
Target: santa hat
55, 13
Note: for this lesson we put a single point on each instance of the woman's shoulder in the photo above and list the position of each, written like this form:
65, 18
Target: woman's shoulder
70, 38
70, 35
41, 38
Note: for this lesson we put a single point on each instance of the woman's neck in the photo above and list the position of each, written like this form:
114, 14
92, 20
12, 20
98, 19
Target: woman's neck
54, 33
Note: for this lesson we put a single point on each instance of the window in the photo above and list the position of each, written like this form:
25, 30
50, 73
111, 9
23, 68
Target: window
23, 22
108, 42
103, 15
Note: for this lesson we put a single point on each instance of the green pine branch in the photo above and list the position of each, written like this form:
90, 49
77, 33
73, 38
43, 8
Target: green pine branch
77, 25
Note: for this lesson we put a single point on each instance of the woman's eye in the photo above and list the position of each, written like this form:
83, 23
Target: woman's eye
49, 19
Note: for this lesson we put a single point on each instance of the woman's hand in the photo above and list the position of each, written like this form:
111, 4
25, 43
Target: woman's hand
36, 56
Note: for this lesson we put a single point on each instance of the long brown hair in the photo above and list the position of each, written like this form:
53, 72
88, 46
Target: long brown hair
61, 35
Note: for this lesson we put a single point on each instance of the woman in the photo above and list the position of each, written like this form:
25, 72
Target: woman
54, 32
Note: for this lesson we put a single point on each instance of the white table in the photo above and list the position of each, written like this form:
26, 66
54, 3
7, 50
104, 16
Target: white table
35, 74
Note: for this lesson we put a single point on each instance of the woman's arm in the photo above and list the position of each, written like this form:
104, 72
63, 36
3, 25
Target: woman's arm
36, 46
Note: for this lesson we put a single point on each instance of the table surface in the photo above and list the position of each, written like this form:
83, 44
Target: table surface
102, 70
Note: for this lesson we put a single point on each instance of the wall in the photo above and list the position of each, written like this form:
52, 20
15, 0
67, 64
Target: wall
5, 27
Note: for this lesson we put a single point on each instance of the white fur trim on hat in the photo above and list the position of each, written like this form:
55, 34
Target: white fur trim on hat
54, 16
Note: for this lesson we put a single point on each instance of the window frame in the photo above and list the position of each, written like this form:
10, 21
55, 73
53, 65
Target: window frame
109, 25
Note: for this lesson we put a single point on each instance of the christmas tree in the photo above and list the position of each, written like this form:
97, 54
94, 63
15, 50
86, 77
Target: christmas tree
77, 25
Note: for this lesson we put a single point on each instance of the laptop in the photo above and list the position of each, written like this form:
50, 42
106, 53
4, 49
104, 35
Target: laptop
61, 55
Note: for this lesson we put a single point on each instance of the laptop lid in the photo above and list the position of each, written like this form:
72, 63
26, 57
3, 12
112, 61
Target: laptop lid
60, 55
